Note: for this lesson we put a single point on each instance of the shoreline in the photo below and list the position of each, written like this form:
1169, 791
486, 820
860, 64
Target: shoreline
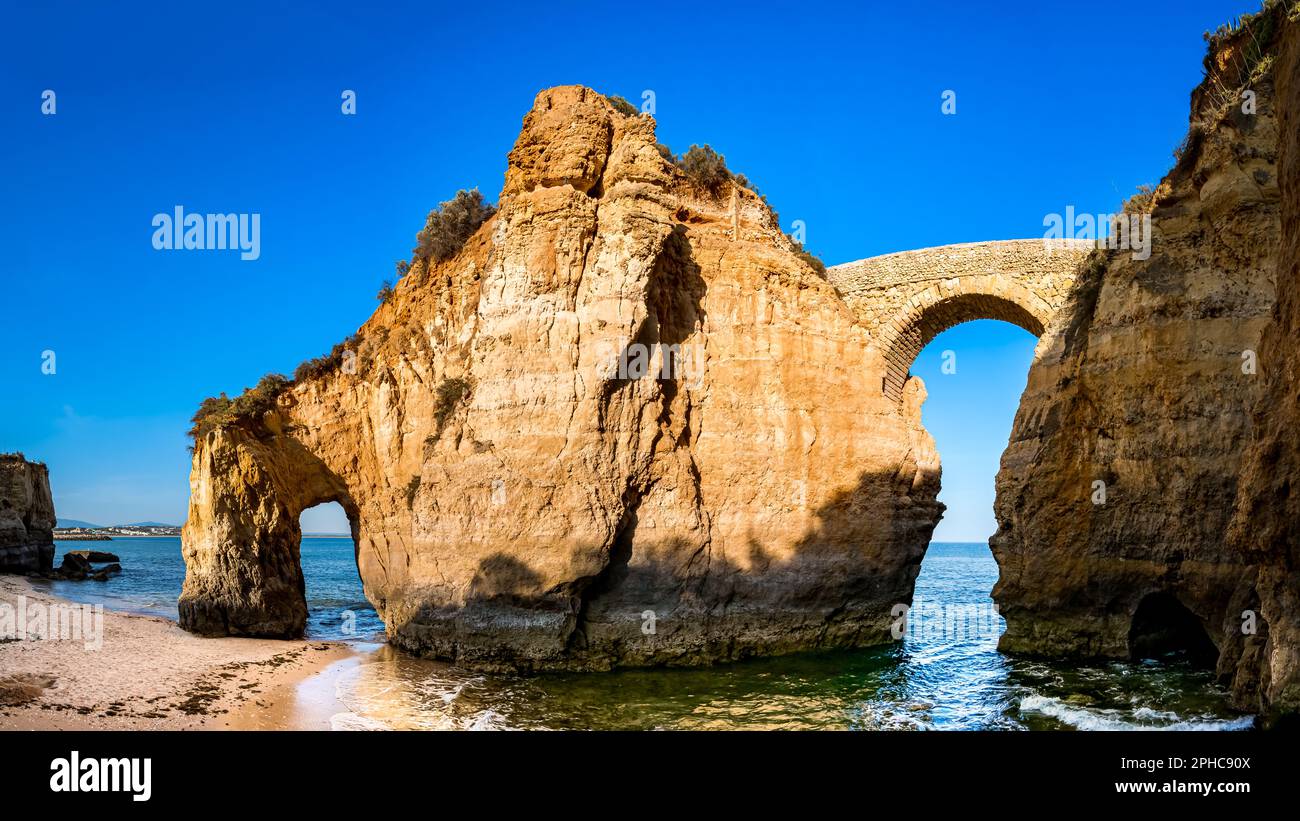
65, 537
148, 673
305, 702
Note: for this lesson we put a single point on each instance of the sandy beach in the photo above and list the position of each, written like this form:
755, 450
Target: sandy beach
144, 672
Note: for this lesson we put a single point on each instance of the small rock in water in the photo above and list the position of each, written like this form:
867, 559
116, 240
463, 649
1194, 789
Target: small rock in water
74, 566
102, 574
77, 567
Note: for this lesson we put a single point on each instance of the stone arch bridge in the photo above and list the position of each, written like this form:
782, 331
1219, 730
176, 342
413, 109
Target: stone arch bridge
908, 298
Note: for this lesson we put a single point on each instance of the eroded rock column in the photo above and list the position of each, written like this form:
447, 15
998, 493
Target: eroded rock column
26, 516
241, 537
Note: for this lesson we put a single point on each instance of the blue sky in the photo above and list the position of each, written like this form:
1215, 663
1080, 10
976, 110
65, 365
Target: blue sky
833, 110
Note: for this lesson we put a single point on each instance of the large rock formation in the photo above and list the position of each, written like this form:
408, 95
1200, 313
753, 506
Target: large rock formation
627, 424
1266, 529
1116, 492
26, 515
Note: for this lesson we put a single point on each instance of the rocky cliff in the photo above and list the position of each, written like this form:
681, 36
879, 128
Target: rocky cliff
1116, 492
26, 515
1266, 528
627, 424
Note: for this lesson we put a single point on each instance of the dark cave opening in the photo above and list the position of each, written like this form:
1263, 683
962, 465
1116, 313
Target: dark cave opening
1163, 628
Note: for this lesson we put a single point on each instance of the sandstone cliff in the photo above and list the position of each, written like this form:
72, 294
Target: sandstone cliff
1116, 492
627, 424
1266, 529
26, 515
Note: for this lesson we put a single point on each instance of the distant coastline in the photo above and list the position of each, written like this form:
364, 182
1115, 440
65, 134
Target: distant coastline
102, 534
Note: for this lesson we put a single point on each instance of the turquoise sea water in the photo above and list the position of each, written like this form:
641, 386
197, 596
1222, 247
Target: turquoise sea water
153, 572
945, 674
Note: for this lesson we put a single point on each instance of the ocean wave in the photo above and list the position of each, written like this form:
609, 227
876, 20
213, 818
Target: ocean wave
488, 720
448, 691
351, 722
1145, 718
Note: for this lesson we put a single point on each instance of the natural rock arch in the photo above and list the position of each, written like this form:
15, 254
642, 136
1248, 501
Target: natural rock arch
907, 299
253, 534
756, 501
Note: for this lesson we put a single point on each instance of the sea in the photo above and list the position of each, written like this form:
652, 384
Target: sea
944, 674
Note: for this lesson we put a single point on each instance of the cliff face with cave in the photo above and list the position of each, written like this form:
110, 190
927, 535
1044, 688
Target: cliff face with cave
625, 425
1128, 452
26, 515
1266, 527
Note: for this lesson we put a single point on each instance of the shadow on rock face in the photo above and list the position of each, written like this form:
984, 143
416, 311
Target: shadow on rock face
671, 600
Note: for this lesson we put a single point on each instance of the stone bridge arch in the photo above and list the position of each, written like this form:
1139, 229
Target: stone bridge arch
907, 299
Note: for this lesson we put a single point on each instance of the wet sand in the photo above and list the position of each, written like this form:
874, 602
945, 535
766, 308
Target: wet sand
307, 702
150, 674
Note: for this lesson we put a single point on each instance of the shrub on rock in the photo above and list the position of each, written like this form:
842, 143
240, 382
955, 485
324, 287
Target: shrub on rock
449, 226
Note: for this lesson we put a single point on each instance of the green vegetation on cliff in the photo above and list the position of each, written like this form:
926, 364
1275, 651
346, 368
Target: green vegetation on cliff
622, 106
449, 226
248, 407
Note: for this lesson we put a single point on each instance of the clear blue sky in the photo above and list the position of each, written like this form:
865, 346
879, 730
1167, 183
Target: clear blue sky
834, 111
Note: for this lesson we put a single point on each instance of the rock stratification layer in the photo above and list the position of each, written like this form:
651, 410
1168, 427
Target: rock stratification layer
26, 515
1266, 528
1116, 492
627, 424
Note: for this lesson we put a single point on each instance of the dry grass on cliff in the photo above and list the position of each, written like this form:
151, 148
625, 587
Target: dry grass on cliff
708, 173
1140, 203
322, 365
1240, 54
622, 106
814, 261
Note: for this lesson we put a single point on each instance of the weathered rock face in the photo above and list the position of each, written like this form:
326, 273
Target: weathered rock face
26, 515
1266, 529
627, 425
1144, 383
524, 496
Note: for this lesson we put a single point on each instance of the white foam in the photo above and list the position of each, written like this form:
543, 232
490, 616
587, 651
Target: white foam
448, 691
488, 720
1145, 718
351, 721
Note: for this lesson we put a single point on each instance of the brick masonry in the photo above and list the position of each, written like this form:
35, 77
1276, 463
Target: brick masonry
907, 299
